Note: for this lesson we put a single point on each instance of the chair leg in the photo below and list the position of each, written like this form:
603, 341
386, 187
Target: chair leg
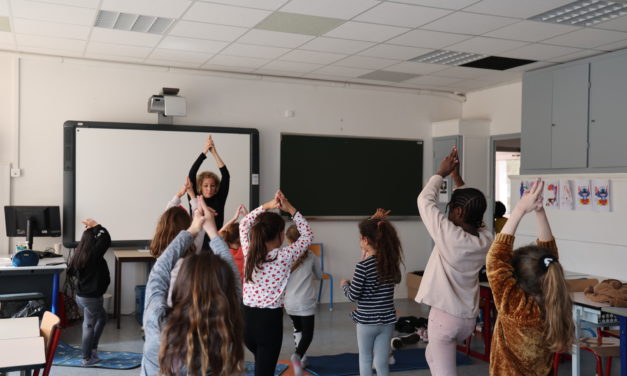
52, 349
320, 290
608, 366
330, 293
556, 363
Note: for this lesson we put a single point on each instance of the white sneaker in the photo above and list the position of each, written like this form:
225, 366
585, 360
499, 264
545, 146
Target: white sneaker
391, 360
297, 366
297, 338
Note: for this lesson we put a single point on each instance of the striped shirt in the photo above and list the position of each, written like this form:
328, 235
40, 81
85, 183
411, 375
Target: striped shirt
375, 304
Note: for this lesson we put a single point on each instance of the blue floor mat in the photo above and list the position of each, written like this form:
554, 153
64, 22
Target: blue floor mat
347, 364
70, 356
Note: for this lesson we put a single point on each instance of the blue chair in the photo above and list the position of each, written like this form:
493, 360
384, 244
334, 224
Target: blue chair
318, 250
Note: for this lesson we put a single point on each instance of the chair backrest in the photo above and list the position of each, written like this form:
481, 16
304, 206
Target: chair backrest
49, 324
578, 285
318, 250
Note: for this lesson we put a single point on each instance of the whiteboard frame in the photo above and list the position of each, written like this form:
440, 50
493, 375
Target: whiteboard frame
69, 168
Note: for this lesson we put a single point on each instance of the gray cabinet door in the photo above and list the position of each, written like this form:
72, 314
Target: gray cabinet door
608, 112
537, 99
569, 131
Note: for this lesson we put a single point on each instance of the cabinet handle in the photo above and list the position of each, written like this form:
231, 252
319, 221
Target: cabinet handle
593, 121
552, 124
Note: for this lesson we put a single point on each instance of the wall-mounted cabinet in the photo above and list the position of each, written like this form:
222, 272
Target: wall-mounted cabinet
574, 116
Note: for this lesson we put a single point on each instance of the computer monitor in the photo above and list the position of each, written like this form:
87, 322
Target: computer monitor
30, 221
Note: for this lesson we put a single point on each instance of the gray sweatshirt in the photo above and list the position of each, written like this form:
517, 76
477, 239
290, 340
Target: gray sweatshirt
157, 292
300, 294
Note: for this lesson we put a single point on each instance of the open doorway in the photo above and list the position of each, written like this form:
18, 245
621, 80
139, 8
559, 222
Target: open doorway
504, 162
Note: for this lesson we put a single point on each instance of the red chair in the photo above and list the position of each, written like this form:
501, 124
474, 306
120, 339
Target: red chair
51, 331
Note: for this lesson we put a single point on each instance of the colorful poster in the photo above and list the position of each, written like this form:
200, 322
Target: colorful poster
583, 199
601, 195
566, 195
551, 194
525, 186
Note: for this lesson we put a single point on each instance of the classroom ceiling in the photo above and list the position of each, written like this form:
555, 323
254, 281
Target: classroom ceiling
401, 43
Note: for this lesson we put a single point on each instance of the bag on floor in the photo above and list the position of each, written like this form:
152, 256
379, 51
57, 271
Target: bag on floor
409, 324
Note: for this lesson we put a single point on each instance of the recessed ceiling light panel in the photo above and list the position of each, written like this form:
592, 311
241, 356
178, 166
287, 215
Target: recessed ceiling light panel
583, 13
132, 22
447, 57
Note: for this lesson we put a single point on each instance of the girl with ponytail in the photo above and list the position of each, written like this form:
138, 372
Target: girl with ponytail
266, 271
450, 284
372, 288
534, 306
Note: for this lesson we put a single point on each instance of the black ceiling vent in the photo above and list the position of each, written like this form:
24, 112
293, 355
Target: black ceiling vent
497, 63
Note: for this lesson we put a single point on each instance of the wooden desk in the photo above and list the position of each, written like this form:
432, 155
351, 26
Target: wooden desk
120, 258
621, 314
586, 313
43, 278
21, 346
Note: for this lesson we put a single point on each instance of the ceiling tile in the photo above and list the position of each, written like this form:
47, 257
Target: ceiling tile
279, 73
614, 46
618, 24
389, 51
50, 29
4, 7
342, 71
298, 23
588, 38
365, 62
51, 43
53, 13
446, 4
250, 50
107, 49
52, 51
238, 61
486, 46
225, 15
114, 58
428, 39
259, 4
124, 37
402, 14
324, 77
531, 31
158, 8
75, 3
417, 68
7, 39
194, 45
274, 38
539, 52
5, 24
389, 76
201, 30
433, 80
227, 68
365, 31
532, 66
469, 23
179, 56
336, 45
516, 8
290, 66
462, 72
173, 63
312, 57
344, 9
576, 55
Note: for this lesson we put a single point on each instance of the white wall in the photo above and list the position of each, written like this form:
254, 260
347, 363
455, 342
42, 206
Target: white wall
502, 105
589, 242
54, 90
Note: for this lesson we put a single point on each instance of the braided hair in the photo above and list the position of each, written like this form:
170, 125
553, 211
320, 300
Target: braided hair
473, 205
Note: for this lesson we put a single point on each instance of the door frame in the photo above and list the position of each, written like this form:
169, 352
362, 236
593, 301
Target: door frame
492, 174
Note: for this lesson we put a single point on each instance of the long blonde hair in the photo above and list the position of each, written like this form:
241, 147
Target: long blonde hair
539, 273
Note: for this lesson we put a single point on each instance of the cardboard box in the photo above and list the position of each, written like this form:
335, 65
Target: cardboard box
413, 282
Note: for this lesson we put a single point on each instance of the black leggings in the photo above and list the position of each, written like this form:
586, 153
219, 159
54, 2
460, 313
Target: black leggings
263, 336
304, 325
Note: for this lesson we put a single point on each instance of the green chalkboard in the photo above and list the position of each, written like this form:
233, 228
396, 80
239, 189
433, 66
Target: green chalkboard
326, 176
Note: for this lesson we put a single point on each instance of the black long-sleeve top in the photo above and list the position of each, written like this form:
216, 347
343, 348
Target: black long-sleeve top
218, 200
93, 278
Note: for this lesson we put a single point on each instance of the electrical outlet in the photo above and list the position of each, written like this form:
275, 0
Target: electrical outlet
16, 172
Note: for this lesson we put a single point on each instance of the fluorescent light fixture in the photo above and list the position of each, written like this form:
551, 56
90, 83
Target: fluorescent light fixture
447, 57
583, 13
132, 22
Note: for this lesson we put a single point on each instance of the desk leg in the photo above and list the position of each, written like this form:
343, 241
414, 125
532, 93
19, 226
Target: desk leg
117, 292
576, 360
623, 345
55, 293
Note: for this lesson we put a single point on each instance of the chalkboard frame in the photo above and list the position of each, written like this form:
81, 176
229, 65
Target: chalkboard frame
69, 163
393, 216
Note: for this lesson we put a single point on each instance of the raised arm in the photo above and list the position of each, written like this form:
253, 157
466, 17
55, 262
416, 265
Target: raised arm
211, 147
301, 245
241, 211
529, 202
101, 235
247, 222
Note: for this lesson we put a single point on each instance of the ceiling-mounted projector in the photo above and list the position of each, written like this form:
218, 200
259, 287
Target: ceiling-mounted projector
167, 104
